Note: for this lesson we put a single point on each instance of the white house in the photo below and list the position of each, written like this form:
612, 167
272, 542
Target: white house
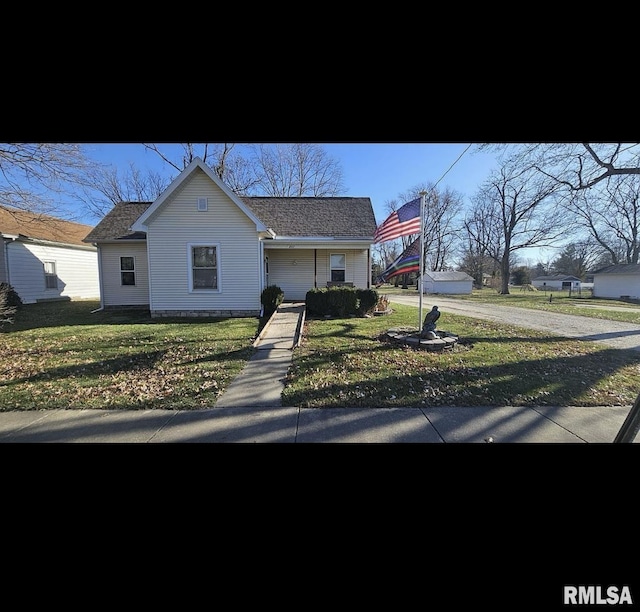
44, 258
617, 281
449, 282
557, 282
200, 249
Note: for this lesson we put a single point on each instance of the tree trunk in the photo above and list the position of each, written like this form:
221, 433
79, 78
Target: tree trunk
504, 271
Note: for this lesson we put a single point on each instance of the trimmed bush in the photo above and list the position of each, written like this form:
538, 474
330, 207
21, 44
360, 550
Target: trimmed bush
270, 298
340, 301
368, 298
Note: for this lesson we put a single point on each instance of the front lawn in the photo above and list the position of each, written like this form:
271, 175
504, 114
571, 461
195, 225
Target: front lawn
342, 362
61, 355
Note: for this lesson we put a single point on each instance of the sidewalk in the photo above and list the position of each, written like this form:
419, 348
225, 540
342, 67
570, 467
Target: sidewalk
309, 425
250, 411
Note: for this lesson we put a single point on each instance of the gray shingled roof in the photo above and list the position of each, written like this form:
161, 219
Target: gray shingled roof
338, 217
449, 275
556, 277
117, 222
619, 269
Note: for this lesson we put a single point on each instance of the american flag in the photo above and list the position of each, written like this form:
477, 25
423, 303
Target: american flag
403, 222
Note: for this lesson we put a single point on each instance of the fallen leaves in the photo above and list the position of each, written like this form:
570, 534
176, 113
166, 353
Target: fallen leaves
499, 365
121, 366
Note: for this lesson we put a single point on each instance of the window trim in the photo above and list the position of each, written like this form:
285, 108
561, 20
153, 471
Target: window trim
135, 276
190, 247
331, 268
50, 275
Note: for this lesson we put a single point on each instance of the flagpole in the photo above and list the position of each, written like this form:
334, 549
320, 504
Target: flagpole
423, 195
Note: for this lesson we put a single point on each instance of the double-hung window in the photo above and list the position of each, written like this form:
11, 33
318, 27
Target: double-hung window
338, 267
203, 267
127, 271
50, 275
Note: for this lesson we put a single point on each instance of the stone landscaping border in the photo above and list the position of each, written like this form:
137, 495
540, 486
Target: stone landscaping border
410, 336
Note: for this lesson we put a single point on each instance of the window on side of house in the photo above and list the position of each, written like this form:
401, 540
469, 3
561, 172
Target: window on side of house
204, 265
127, 271
338, 267
50, 275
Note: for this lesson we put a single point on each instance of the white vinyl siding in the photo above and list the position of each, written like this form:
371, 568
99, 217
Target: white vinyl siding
114, 292
3, 262
76, 271
447, 287
616, 285
447, 283
177, 224
293, 269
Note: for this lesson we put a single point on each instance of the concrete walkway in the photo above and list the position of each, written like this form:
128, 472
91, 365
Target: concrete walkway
262, 380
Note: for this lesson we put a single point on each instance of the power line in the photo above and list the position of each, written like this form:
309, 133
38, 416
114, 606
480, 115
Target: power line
452, 165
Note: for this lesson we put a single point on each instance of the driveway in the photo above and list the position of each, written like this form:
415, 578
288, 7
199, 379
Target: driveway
612, 333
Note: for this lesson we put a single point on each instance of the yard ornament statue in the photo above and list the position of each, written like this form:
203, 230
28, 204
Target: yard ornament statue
429, 324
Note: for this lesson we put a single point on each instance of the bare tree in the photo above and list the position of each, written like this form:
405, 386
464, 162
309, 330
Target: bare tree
214, 155
103, 187
484, 238
236, 171
441, 226
611, 215
296, 170
35, 177
576, 166
272, 170
513, 210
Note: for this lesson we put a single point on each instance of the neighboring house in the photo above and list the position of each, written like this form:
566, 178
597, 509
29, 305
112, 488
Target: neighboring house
200, 249
620, 281
556, 282
44, 258
447, 282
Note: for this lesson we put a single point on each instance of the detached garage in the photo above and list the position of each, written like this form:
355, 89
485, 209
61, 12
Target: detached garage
447, 282
558, 282
619, 281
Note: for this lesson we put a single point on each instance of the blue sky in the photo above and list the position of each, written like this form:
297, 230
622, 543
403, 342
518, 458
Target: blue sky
378, 171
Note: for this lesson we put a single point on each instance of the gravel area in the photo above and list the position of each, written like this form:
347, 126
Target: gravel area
612, 333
